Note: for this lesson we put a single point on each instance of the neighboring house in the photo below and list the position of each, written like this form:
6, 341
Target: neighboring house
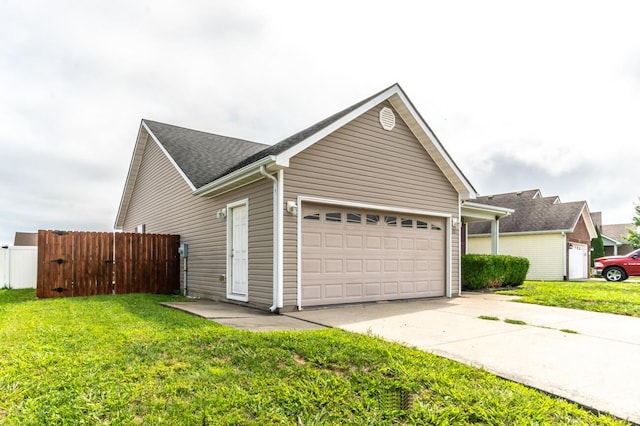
614, 239
554, 236
19, 263
613, 236
362, 206
29, 239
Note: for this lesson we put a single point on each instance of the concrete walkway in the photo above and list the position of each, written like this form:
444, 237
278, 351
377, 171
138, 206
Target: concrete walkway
598, 366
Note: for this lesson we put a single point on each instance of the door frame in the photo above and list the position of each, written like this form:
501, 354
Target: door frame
230, 268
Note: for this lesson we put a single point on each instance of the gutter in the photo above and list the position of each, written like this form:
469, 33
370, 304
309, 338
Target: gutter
277, 236
228, 182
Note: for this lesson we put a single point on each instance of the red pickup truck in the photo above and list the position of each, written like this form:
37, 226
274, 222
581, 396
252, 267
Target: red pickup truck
617, 268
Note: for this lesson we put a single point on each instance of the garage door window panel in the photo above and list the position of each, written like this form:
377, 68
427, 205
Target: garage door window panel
354, 218
312, 217
333, 217
406, 223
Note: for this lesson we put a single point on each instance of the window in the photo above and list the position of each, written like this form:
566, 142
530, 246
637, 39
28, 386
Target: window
312, 216
354, 218
436, 227
390, 220
333, 217
421, 224
373, 219
406, 223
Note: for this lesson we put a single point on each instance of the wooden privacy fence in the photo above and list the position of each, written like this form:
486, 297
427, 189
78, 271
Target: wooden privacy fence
90, 263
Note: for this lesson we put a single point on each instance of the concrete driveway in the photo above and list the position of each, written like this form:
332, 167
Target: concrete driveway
598, 366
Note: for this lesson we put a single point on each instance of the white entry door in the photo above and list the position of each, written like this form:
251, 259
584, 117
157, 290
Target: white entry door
578, 261
238, 244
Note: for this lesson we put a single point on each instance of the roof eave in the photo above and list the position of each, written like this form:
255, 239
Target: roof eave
475, 212
241, 177
134, 167
505, 234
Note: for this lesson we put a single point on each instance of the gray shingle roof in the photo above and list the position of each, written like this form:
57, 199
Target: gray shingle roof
532, 213
203, 157
618, 231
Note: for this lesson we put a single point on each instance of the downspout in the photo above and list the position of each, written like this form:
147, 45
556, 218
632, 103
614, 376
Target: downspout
565, 253
276, 237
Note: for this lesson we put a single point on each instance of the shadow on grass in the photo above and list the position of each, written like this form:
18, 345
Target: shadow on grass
10, 296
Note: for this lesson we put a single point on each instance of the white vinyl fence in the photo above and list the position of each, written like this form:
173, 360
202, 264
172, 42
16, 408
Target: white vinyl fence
18, 267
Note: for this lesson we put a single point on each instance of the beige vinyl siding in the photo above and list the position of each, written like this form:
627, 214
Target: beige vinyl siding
363, 163
545, 252
162, 201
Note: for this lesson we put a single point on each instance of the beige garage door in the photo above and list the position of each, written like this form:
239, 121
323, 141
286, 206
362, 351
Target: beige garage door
353, 255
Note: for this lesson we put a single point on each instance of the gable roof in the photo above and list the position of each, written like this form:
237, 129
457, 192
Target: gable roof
534, 213
201, 156
617, 232
213, 164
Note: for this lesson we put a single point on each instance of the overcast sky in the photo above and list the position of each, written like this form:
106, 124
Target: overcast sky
523, 95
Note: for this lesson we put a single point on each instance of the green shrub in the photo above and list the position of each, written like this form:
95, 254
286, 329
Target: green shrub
490, 271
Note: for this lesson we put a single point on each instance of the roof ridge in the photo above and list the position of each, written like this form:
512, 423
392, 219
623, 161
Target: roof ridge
202, 131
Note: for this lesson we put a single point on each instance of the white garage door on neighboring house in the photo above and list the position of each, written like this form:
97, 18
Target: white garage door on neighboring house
578, 261
354, 255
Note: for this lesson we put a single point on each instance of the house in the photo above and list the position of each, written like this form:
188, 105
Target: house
613, 236
554, 236
614, 239
364, 205
29, 239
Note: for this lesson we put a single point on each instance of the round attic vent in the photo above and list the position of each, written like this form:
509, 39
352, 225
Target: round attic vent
387, 118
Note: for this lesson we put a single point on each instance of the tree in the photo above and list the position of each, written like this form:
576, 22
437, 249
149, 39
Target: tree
597, 246
633, 236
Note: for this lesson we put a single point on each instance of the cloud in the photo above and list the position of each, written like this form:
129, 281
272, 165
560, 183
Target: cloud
604, 188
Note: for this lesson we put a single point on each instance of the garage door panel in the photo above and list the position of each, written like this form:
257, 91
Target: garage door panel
373, 289
406, 287
311, 266
351, 255
373, 242
421, 266
333, 266
390, 266
354, 290
407, 244
333, 240
422, 286
311, 239
406, 265
354, 241
333, 291
373, 266
390, 288
354, 266
390, 243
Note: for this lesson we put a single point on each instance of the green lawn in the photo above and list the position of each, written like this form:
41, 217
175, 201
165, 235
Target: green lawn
600, 296
126, 360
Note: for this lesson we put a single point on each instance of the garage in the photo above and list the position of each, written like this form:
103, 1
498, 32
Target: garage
352, 255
